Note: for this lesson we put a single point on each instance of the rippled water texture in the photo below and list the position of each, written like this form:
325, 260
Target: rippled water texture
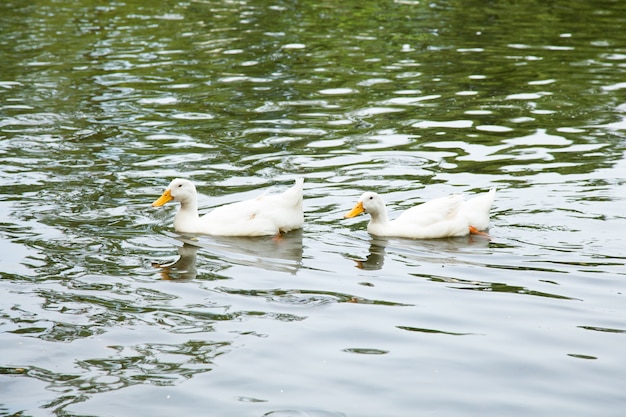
106, 311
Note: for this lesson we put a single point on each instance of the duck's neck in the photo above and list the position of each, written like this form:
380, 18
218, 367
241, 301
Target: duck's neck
379, 217
186, 215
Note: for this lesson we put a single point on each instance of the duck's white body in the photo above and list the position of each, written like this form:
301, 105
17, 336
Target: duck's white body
442, 217
268, 214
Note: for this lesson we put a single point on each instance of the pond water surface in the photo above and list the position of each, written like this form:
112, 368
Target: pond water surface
103, 103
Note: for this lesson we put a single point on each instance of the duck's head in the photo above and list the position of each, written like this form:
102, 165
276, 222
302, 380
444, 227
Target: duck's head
180, 190
369, 202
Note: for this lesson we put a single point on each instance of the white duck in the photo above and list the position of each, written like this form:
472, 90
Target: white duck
266, 215
442, 217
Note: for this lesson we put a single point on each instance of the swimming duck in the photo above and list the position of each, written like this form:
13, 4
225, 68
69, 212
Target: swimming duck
266, 215
442, 217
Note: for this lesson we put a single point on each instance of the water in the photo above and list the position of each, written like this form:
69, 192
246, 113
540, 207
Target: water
103, 103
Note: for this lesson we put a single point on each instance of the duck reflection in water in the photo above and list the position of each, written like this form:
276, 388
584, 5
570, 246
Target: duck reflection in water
282, 254
446, 247
182, 269
376, 256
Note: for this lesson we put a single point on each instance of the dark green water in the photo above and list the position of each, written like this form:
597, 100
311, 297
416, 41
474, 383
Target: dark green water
103, 103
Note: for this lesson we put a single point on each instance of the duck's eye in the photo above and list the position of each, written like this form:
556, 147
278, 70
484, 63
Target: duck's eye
180, 185
371, 197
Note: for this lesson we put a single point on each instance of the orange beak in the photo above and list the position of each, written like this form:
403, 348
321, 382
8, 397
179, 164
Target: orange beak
356, 210
165, 197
